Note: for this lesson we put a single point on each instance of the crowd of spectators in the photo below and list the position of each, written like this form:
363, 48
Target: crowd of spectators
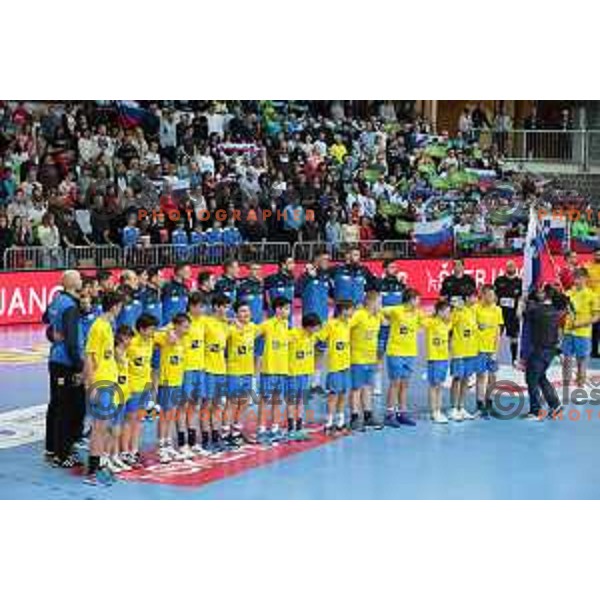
84, 173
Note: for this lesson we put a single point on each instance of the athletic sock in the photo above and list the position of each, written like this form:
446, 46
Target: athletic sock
329, 420
93, 464
192, 437
181, 438
299, 424
368, 415
340, 419
290, 424
205, 439
353, 417
216, 437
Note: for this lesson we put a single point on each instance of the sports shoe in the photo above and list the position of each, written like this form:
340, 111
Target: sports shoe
341, 428
329, 429
466, 415
455, 415
120, 464
263, 438
556, 411
164, 457
67, 463
175, 454
112, 466
391, 421
104, 476
404, 419
357, 425
531, 416
372, 423
198, 450
275, 436
186, 453
48, 456
301, 435
439, 417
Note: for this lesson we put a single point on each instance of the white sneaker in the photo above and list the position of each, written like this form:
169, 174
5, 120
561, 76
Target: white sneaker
465, 414
175, 454
456, 415
198, 450
163, 456
116, 460
439, 417
186, 452
111, 466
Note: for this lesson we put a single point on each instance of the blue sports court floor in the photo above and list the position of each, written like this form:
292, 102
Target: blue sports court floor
497, 459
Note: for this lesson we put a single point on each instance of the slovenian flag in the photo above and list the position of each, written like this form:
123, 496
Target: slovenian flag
532, 265
131, 114
556, 234
434, 238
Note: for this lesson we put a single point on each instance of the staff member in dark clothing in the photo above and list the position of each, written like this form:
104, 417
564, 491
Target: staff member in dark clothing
543, 316
66, 409
458, 286
509, 288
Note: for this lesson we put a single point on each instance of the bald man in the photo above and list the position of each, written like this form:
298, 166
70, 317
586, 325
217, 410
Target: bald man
509, 288
66, 408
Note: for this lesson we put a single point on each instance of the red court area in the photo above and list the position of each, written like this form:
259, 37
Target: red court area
203, 470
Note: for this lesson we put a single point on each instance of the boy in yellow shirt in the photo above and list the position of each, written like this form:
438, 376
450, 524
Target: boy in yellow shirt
301, 350
274, 369
194, 380
139, 356
170, 381
489, 323
577, 341
336, 333
240, 371
216, 330
101, 379
364, 338
465, 355
402, 349
437, 334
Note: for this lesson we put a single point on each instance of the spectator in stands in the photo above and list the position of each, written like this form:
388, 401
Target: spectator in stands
6, 237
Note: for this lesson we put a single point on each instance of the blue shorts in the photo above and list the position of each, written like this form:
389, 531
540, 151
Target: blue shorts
259, 346
487, 363
338, 382
137, 401
194, 385
437, 371
169, 396
297, 386
462, 368
400, 367
272, 384
579, 347
382, 340
362, 375
216, 386
239, 385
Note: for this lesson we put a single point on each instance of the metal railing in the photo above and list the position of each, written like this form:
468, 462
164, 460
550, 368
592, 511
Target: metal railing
577, 147
36, 258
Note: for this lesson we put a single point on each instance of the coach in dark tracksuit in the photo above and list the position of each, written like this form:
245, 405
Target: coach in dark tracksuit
541, 322
66, 409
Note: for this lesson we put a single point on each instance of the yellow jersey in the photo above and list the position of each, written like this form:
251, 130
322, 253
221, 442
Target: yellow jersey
405, 323
593, 269
364, 335
139, 355
275, 332
124, 384
585, 305
240, 349
101, 346
437, 336
194, 344
489, 319
171, 359
465, 342
301, 352
336, 333
215, 344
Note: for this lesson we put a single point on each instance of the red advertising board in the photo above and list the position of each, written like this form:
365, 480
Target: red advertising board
25, 295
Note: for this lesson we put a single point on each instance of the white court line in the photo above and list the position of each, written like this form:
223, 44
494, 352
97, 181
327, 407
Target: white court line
22, 426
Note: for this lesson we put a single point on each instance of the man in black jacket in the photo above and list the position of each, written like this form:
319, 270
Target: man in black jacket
458, 286
541, 322
66, 408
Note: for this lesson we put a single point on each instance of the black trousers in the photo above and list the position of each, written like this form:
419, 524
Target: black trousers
537, 380
66, 410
